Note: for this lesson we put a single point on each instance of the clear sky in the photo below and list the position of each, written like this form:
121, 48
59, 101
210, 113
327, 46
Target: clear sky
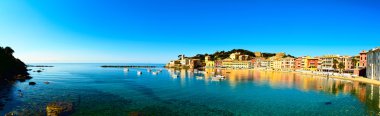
156, 31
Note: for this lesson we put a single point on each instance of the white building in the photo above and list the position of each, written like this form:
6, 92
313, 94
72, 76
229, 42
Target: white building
373, 64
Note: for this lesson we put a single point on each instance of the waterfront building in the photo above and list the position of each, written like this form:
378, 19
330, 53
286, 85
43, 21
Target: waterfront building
257, 61
237, 60
265, 64
229, 63
373, 64
173, 63
194, 63
363, 59
209, 62
319, 66
271, 62
183, 60
218, 63
347, 61
287, 64
277, 65
311, 64
328, 62
297, 63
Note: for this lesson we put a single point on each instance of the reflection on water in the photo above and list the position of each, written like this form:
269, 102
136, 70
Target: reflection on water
112, 91
366, 93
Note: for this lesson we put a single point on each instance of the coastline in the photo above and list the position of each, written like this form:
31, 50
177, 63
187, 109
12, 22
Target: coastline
357, 79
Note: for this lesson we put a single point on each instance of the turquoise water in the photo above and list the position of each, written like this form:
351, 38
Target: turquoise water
111, 91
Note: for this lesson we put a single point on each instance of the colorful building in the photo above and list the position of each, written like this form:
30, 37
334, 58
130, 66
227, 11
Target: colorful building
311, 64
228, 63
287, 64
209, 63
328, 62
363, 59
298, 63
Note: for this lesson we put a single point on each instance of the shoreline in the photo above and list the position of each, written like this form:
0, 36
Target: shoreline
357, 78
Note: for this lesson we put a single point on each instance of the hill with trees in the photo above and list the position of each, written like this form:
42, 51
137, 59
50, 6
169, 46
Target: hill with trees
226, 54
11, 68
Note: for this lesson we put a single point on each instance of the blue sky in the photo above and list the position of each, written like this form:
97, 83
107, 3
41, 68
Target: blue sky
155, 31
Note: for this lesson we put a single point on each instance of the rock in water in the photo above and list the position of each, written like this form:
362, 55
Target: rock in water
328, 103
10, 114
58, 108
32, 83
47, 82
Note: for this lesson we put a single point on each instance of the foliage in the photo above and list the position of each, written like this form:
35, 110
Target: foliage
219, 55
335, 62
354, 61
9, 65
341, 66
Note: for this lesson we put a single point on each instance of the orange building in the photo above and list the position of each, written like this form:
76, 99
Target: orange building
298, 63
363, 59
312, 63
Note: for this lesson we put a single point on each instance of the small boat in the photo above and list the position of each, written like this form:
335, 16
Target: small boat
139, 72
126, 69
174, 76
154, 73
215, 79
199, 77
220, 76
148, 70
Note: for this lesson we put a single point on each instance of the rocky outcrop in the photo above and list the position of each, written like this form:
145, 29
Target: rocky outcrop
11, 68
58, 108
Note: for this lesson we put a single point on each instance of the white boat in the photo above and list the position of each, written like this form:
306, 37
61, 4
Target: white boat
126, 69
154, 73
139, 72
148, 70
215, 79
220, 77
174, 76
199, 77
202, 72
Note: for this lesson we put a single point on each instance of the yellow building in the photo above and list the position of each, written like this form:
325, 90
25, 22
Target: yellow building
287, 64
209, 63
236, 64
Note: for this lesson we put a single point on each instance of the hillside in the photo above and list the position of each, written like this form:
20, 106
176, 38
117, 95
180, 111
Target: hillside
11, 68
226, 54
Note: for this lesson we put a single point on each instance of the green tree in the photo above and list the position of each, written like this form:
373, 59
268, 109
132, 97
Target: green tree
335, 62
341, 67
354, 61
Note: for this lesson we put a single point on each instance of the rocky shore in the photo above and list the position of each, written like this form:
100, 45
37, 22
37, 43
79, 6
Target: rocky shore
11, 68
